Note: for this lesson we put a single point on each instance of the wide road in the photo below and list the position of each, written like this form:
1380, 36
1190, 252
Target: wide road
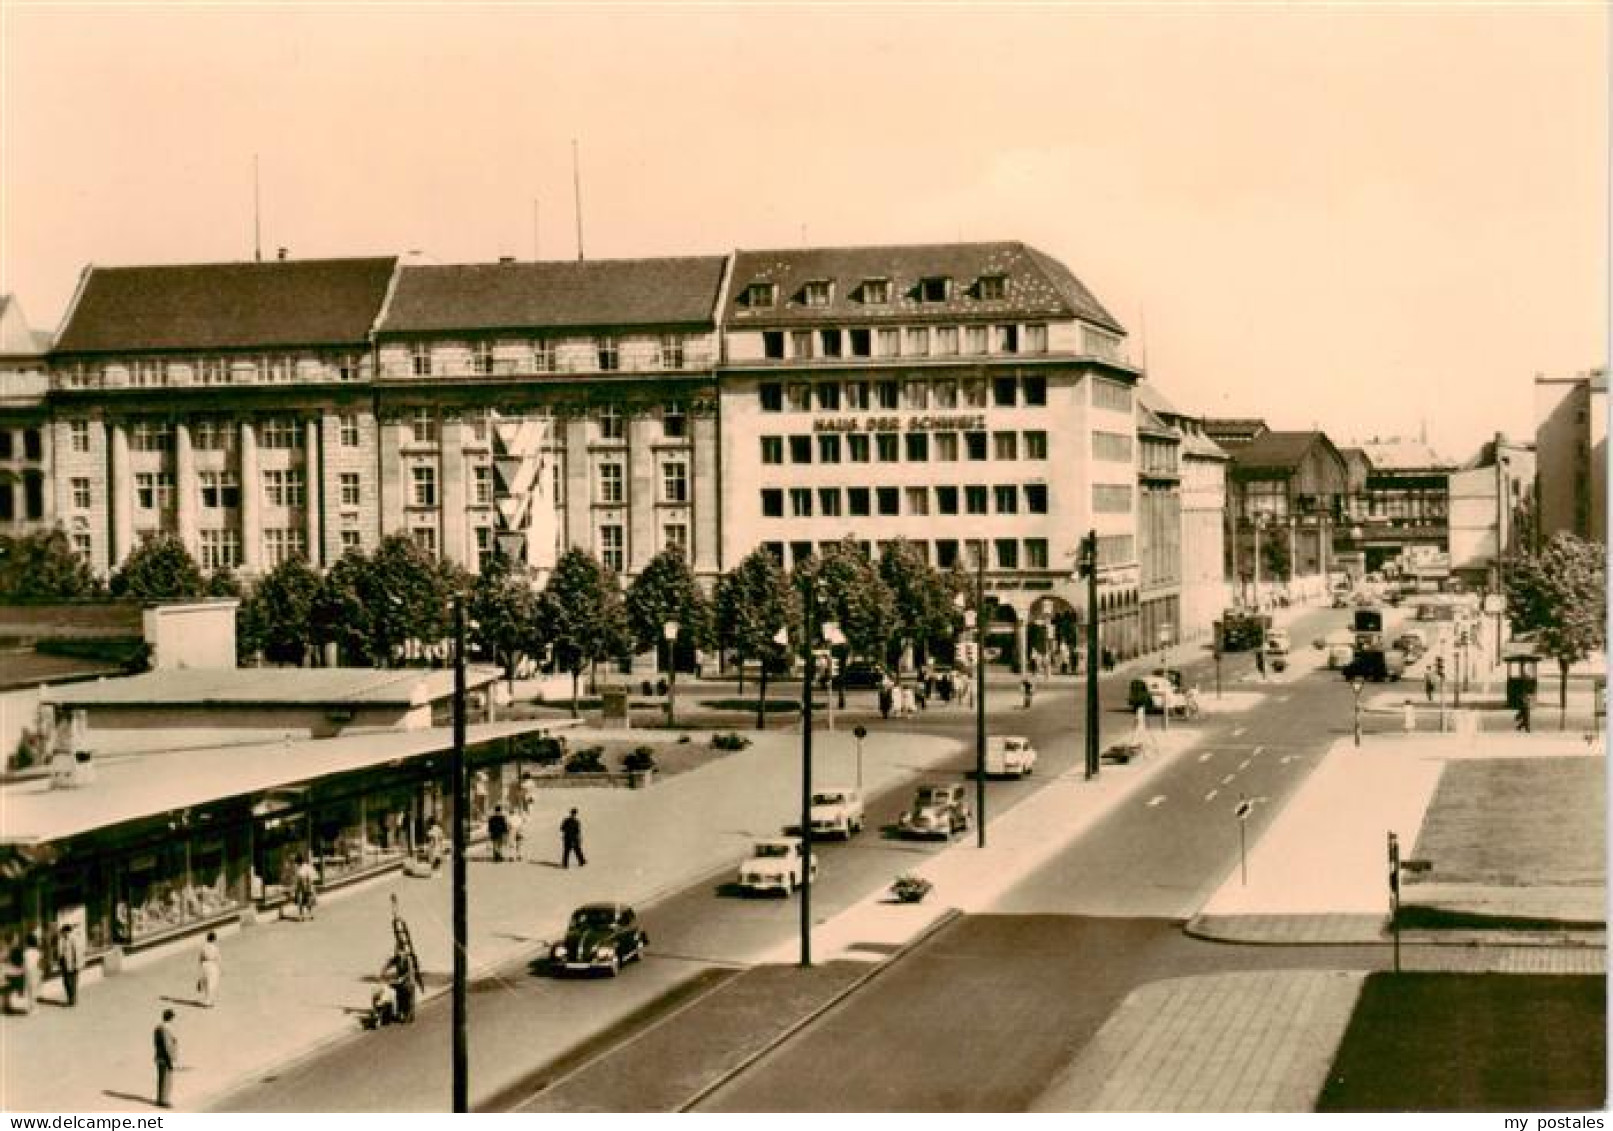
1145, 860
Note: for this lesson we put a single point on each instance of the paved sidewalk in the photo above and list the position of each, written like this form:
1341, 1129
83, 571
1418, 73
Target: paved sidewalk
290, 987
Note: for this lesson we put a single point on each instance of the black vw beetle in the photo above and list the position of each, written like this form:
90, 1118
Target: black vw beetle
600, 937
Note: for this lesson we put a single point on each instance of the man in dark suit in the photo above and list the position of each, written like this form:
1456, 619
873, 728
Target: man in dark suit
165, 1049
69, 960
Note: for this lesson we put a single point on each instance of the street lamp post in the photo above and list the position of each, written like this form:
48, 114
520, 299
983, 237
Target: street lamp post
808, 678
980, 693
671, 630
461, 1055
1356, 685
1088, 569
859, 732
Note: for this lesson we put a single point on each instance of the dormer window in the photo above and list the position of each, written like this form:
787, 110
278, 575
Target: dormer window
816, 293
937, 288
760, 294
993, 288
876, 292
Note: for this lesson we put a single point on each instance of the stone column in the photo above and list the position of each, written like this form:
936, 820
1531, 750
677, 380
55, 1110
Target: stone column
1021, 642
705, 517
121, 496
185, 489
579, 485
643, 492
453, 499
251, 522
389, 474
314, 477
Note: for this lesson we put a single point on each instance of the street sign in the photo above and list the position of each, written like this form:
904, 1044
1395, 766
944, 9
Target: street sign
1244, 809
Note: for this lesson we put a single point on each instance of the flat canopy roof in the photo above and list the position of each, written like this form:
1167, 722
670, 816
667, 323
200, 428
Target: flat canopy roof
144, 785
282, 687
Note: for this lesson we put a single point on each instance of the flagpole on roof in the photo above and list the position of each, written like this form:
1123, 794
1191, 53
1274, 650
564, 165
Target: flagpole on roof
576, 189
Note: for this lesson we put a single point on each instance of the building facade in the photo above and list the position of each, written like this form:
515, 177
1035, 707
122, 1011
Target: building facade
955, 396
1203, 509
1571, 455
1287, 489
1488, 496
1159, 529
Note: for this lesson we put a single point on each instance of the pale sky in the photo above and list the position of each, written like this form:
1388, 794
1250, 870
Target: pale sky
1357, 218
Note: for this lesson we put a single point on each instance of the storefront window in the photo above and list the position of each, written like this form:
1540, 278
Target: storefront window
387, 814
338, 839
277, 842
153, 895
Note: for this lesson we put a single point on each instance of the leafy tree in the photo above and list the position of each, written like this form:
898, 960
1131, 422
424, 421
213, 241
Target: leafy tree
503, 608
374, 606
1274, 562
666, 590
581, 614
276, 617
41, 567
159, 569
1560, 596
853, 594
754, 603
920, 598
222, 582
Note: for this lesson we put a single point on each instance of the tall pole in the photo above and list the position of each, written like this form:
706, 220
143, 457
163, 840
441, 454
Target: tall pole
576, 189
808, 677
980, 693
257, 215
461, 968
1089, 564
1258, 524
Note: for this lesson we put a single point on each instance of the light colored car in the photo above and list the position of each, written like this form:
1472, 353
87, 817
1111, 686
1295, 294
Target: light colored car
937, 810
1010, 755
1339, 646
837, 811
774, 865
1277, 641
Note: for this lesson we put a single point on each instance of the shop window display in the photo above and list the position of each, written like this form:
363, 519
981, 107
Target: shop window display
338, 839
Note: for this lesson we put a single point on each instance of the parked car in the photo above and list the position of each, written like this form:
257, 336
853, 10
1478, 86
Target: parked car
1339, 646
1277, 642
861, 673
1413, 643
600, 937
837, 811
937, 810
774, 865
1156, 693
1010, 755
1377, 665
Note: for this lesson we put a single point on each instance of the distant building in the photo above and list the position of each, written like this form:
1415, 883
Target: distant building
1401, 518
1288, 486
1571, 454
1491, 497
25, 466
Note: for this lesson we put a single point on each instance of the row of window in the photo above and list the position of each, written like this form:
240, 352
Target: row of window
914, 447
862, 502
831, 343
1006, 553
159, 372
543, 355
876, 291
930, 393
32, 446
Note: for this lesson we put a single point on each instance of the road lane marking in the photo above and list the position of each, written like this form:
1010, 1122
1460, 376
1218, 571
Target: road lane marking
1255, 753
1211, 795
1206, 756
1228, 779
1286, 758
1284, 698
1157, 799
1244, 765
1236, 731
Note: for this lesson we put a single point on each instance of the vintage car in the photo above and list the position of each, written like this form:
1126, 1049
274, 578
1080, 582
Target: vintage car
1010, 756
937, 810
1155, 694
1376, 665
837, 811
1277, 642
600, 937
774, 865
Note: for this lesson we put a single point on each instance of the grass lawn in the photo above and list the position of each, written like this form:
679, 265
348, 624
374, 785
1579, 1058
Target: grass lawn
1473, 1042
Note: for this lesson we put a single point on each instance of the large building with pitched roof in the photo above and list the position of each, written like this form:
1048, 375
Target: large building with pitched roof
1288, 490
953, 395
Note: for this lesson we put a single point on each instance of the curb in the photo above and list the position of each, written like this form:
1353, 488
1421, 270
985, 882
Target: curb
1205, 928
946, 919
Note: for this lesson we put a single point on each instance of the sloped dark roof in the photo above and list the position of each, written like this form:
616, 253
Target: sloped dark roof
1276, 451
1035, 284
207, 306
1230, 432
598, 292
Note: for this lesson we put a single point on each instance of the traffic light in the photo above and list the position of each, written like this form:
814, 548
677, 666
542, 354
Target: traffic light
1439, 667
1089, 555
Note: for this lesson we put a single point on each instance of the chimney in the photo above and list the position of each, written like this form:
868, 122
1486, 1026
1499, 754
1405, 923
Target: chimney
281, 254
506, 259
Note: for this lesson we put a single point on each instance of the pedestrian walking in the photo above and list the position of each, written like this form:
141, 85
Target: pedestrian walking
518, 834
885, 700
33, 971
69, 960
1408, 717
571, 841
302, 888
211, 969
1029, 689
1525, 707
1260, 661
1428, 685
434, 844
498, 831
165, 1049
